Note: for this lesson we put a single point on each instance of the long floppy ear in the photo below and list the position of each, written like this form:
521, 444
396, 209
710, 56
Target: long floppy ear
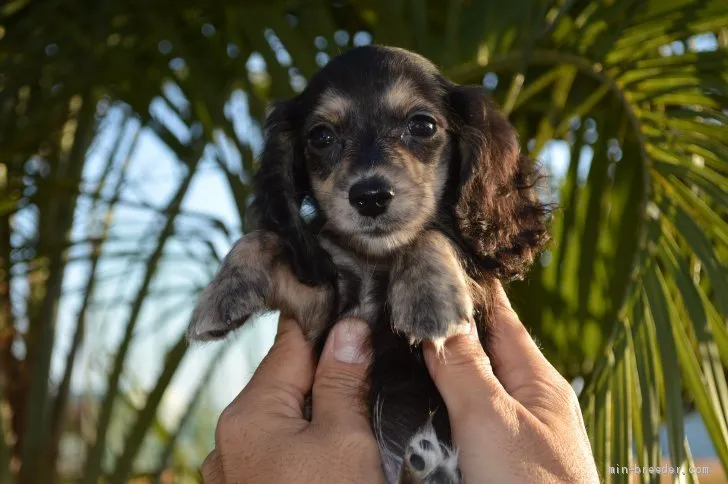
280, 185
497, 208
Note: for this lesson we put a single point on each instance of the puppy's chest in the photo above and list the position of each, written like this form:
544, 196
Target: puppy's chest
363, 294
362, 285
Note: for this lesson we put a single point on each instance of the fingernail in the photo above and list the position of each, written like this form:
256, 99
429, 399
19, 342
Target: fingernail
350, 337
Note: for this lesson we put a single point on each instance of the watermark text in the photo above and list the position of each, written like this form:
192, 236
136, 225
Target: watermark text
665, 469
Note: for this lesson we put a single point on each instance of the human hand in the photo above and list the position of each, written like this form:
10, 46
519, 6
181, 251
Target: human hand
262, 436
523, 426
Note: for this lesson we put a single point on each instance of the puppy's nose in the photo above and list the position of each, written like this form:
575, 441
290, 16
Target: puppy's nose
370, 197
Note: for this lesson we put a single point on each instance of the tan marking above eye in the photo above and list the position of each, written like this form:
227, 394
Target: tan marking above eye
333, 106
402, 98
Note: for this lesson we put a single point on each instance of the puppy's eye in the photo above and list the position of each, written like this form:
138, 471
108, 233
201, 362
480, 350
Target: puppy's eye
321, 137
421, 126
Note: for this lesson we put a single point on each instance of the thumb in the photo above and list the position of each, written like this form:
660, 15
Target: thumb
463, 373
339, 387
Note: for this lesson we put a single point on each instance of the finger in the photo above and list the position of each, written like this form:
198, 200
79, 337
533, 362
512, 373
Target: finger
517, 360
212, 470
285, 375
340, 383
462, 373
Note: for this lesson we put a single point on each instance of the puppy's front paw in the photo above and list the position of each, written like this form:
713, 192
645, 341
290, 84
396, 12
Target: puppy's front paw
427, 461
239, 290
431, 306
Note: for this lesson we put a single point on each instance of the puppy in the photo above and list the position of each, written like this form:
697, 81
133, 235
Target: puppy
421, 200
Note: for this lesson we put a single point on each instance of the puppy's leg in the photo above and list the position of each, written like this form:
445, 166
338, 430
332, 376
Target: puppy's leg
429, 294
239, 289
253, 278
427, 461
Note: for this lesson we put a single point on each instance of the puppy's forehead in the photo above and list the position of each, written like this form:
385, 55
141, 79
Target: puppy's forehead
374, 76
398, 96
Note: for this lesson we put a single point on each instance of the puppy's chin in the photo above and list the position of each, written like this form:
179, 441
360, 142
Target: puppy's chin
381, 244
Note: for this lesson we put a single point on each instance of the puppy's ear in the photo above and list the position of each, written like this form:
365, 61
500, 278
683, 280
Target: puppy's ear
281, 184
497, 207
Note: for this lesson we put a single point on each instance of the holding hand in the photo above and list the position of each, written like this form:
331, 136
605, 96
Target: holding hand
262, 436
523, 426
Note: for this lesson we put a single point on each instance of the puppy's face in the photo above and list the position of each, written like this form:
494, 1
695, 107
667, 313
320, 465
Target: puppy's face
376, 137
376, 143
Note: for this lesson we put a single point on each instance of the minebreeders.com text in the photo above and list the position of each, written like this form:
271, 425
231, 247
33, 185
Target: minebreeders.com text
666, 469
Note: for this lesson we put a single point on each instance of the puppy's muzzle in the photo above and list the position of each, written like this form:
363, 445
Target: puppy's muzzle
371, 196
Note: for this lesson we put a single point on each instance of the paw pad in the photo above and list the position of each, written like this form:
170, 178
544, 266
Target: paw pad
429, 461
417, 462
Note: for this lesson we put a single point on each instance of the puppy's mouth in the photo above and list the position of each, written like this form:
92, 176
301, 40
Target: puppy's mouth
377, 232
366, 227
373, 237
383, 226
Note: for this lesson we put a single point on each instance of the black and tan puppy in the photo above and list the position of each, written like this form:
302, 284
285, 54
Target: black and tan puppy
422, 201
